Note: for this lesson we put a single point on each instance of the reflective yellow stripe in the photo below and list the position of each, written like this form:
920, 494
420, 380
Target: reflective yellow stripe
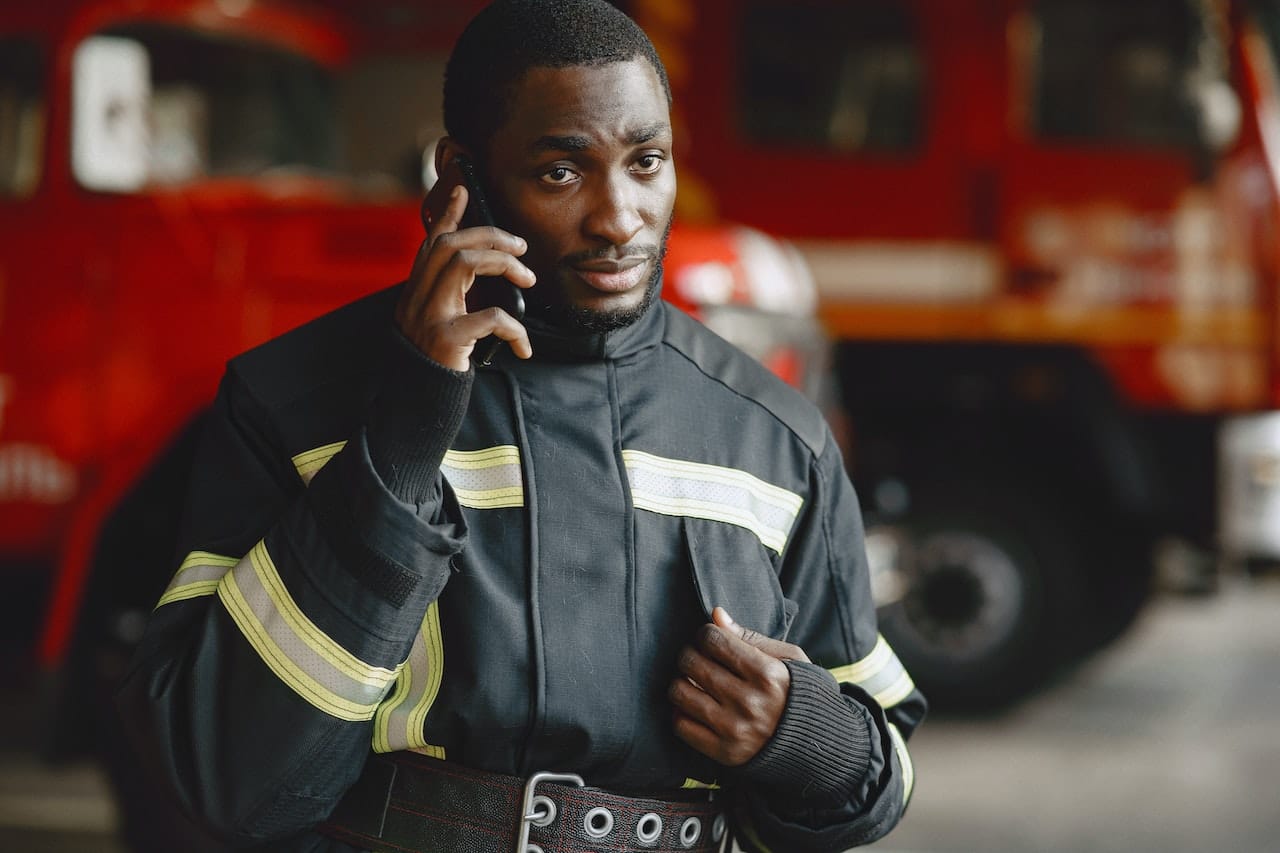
398, 724
294, 648
489, 457
695, 783
880, 673
383, 716
904, 759
481, 479
485, 479
188, 591
310, 461
698, 490
198, 575
430, 751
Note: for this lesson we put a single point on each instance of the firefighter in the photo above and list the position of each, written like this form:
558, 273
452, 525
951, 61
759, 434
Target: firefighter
606, 592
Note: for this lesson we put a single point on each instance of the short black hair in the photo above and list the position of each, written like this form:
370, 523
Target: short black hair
509, 37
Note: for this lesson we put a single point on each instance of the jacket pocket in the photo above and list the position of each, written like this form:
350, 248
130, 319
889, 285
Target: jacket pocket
731, 570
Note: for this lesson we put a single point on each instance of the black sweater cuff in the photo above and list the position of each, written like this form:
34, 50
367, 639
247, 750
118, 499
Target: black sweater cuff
414, 419
821, 748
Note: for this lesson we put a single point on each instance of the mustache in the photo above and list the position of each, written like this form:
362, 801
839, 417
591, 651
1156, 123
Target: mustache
649, 251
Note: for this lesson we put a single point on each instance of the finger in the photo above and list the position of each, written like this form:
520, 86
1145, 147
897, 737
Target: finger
708, 674
448, 299
443, 241
697, 735
467, 264
731, 651
466, 254
451, 218
452, 265
462, 332
774, 648
694, 702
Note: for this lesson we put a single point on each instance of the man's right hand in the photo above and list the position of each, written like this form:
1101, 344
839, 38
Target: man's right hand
432, 312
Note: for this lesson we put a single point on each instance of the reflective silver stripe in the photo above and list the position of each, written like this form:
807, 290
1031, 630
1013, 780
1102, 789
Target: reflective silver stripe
399, 720
299, 653
311, 461
880, 673
904, 759
485, 479
698, 490
198, 575
481, 479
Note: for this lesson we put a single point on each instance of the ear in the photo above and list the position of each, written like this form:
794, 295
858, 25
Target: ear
447, 149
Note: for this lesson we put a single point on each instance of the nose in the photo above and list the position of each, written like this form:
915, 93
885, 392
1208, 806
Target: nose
615, 216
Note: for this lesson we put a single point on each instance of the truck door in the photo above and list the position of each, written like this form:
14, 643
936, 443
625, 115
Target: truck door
1109, 213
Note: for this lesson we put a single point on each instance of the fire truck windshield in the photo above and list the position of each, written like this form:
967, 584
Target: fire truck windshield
219, 107
848, 77
1267, 15
21, 115
1123, 73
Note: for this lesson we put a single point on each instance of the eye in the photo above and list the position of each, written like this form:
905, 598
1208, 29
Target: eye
647, 164
559, 176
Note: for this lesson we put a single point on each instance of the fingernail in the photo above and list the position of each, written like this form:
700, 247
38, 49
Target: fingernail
726, 615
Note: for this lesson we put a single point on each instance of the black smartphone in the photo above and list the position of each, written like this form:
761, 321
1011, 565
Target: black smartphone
487, 291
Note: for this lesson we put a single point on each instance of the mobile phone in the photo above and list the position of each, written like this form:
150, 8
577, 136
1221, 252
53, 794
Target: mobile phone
487, 291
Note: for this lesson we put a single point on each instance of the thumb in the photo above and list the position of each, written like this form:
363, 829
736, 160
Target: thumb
722, 618
766, 644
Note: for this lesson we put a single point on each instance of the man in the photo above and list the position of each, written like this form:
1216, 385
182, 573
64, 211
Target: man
581, 559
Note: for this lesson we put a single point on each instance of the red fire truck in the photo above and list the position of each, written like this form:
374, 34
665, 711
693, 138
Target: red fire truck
1044, 235
175, 188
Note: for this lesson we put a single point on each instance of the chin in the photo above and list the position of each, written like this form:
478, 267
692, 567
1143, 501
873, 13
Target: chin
584, 317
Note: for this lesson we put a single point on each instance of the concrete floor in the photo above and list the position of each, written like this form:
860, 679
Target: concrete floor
1169, 741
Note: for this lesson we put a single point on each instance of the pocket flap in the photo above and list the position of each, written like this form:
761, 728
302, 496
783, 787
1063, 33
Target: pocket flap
732, 570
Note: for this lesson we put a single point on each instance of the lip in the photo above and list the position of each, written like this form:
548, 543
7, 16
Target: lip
613, 276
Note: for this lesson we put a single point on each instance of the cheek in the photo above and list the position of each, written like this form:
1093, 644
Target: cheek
548, 228
661, 201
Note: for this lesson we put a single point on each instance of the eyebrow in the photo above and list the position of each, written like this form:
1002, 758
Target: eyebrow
639, 136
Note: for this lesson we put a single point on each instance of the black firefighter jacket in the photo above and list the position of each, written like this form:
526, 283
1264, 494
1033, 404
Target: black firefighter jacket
521, 605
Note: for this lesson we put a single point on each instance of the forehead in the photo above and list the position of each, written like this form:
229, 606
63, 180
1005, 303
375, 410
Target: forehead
604, 103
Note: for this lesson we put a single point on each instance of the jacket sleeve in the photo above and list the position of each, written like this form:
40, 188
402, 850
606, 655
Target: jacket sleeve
256, 685
836, 773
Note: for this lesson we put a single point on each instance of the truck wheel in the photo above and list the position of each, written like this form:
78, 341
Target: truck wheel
988, 590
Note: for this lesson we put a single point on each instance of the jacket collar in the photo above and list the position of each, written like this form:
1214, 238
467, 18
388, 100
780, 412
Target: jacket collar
553, 344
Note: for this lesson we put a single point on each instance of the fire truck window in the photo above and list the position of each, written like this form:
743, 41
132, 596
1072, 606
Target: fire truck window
1267, 15
21, 116
847, 77
1118, 72
225, 107
388, 136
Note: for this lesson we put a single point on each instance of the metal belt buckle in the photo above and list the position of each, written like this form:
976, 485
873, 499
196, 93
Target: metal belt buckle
529, 815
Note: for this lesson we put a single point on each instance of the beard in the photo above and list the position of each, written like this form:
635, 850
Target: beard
560, 312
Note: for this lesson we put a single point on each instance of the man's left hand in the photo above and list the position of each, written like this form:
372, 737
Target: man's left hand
731, 690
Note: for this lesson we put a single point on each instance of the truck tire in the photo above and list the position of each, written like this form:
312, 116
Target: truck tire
989, 590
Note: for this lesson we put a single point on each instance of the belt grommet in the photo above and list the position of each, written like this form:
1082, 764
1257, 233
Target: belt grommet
717, 828
689, 832
598, 822
542, 811
649, 828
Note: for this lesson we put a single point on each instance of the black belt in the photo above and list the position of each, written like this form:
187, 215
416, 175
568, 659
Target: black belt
408, 802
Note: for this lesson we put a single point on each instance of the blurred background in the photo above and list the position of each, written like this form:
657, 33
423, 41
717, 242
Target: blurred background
1024, 253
